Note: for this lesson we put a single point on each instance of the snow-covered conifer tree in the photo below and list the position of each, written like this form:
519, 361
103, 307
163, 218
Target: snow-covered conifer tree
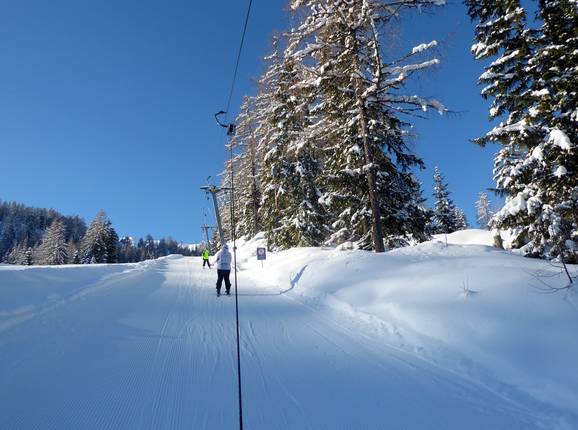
28, 259
53, 249
444, 216
461, 220
111, 241
355, 112
501, 32
95, 244
247, 168
483, 211
550, 170
149, 247
73, 253
290, 207
224, 202
17, 254
537, 167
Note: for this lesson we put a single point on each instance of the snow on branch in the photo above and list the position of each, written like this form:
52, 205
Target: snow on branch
559, 138
481, 50
424, 104
505, 58
402, 70
423, 46
520, 126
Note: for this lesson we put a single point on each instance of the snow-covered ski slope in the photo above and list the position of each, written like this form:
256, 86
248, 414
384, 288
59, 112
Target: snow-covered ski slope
329, 340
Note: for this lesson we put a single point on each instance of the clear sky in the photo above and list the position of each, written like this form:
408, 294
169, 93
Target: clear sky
109, 104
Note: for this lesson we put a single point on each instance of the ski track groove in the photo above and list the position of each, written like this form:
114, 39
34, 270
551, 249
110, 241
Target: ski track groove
250, 343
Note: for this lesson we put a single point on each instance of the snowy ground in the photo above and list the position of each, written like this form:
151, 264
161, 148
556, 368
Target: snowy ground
426, 337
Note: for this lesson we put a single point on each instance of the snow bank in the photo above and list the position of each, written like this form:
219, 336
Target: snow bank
468, 237
467, 307
27, 291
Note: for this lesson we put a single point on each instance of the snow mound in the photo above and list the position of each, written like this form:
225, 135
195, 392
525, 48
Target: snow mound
468, 237
468, 307
29, 291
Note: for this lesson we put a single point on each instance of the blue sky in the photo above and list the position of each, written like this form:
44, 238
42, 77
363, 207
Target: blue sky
110, 104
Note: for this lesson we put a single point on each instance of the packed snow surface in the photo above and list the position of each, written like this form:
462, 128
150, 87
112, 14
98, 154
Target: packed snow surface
426, 337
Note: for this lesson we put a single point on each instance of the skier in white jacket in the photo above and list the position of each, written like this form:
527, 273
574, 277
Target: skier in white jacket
223, 259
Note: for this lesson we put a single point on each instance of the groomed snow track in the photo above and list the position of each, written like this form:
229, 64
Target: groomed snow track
154, 348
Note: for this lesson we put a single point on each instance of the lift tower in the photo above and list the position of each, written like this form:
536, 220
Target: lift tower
214, 190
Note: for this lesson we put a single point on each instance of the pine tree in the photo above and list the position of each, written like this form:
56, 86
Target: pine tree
224, 202
444, 216
73, 252
533, 82
290, 209
17, 254
111, 243
501, 31
140, 253
461, 220
278, 127
306, 218
75, 259
126, 250
246, 169
28, 259
149, 248
483, 211
356, 112
53, 249
551, 177
95, 244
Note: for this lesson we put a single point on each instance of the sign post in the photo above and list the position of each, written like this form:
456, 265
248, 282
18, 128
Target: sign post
261, 255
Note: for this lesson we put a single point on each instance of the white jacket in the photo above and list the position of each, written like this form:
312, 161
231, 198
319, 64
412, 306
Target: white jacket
223, 259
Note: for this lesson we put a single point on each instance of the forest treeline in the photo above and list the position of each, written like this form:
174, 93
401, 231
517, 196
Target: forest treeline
322, 149
46, 237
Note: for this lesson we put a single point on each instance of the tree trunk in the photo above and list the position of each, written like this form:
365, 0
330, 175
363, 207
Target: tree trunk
376, 229
254, 191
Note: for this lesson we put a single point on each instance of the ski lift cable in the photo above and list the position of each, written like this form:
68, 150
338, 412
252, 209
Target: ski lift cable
234, 80
232, 206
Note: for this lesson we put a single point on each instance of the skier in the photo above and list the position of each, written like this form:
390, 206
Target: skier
223, 259
206, 258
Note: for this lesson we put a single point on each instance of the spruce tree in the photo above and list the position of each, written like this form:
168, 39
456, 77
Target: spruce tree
224, 201
73, 252
17, 254
356, 111
461, 220
501, 32
54, 249
551, 168
95, 244
247, 166
140, 252
149, 248
532, 83
111, 241
28, 259
444, 215
290, 209
126, 250
483, 211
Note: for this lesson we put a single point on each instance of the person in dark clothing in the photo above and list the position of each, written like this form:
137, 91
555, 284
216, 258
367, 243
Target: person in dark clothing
223, 259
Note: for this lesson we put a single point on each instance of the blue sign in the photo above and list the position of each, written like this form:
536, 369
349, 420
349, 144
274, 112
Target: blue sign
261, 253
